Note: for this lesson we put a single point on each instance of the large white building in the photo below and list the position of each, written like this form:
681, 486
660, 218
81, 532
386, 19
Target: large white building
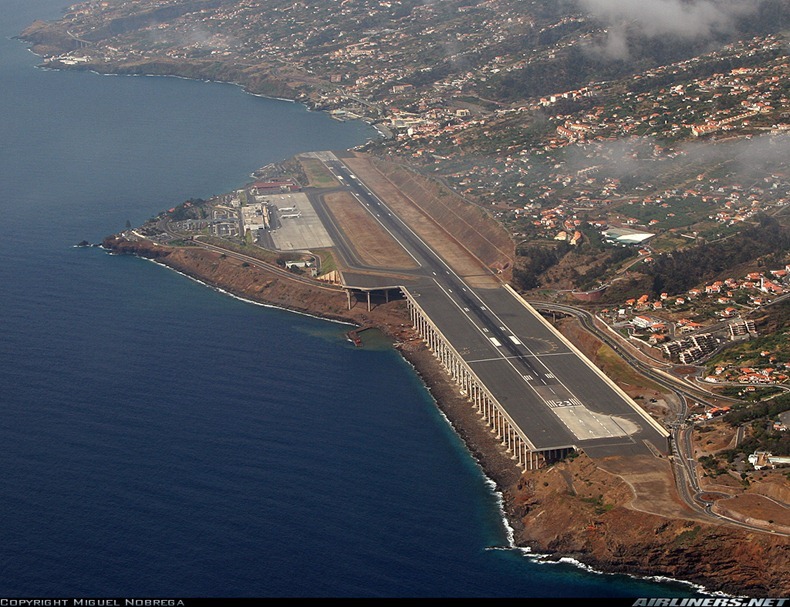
626, 236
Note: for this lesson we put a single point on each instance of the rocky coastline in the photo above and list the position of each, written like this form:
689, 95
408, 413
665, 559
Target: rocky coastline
577, 509
50, 41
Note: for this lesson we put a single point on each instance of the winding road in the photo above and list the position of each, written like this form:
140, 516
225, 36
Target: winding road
686, 476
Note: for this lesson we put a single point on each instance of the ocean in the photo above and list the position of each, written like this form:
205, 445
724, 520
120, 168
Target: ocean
160, 438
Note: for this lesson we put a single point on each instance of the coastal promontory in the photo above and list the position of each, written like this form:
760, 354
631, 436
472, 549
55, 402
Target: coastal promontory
623, 173
617, 514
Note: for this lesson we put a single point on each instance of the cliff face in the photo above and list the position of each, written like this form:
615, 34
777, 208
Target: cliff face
579, 508
51, 39
259, 285
46, 39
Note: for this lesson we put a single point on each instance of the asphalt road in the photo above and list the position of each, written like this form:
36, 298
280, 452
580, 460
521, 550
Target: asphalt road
686, 471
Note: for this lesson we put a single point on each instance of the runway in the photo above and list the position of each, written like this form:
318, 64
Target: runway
556, 396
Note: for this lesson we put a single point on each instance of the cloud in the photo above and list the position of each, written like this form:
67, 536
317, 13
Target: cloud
685, 19
747, 160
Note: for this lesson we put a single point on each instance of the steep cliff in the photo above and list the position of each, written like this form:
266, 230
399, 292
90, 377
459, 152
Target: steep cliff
578, 508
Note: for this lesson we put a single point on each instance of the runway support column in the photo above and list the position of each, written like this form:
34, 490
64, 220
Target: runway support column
348, 294
368, 301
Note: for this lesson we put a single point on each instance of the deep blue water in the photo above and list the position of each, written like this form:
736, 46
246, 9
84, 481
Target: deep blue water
158, 438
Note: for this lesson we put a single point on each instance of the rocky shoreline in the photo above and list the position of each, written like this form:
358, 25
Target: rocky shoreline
576, 509
50, 41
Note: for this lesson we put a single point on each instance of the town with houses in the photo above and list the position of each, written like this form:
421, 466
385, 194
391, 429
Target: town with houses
499, 148
620, 159
511, 105
665, 325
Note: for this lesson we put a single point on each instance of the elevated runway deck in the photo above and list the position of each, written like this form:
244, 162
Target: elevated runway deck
530, 383
548, 389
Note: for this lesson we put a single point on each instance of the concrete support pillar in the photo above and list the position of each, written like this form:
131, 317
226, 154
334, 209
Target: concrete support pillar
476, 393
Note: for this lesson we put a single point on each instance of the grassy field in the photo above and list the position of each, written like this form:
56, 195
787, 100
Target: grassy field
672, 213
251, 250
669, 241
317, 174
620, 372
328, 263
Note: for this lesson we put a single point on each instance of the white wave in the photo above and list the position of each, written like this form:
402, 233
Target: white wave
487, 480
547, 559
249, 301
526, 551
